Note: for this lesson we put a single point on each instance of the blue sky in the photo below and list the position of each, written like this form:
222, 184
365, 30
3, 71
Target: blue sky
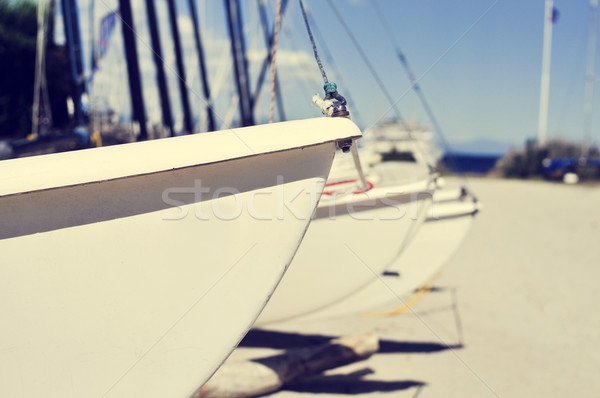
488, 84
479, 63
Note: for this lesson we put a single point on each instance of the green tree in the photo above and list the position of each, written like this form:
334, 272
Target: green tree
18, 30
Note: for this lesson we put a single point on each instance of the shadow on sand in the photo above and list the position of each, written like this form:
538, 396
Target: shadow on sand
353, 383
284, 340
349, 384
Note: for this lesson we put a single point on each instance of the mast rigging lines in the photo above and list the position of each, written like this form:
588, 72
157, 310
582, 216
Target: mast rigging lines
412, 77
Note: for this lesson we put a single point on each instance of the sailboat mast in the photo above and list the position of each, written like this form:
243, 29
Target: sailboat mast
545, 86
183, 91
202, 65
73, 37
240, 62
133, 68
161, 79
589, 77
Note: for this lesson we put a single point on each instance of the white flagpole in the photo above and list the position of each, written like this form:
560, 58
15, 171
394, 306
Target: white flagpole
590, 77
545, 86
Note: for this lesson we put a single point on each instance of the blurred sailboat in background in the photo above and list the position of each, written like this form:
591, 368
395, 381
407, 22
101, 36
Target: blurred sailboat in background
403, 141
446, 225
355, 236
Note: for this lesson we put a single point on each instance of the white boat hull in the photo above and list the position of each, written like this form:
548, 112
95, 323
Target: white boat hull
139, 284
438, 238
351, 241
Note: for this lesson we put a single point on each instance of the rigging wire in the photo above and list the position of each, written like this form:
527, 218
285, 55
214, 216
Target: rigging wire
412, 77
274, 52
382, 86
41, 115
298, 67
366, 60
329, 57
268, 38
590, 79
576, 57
312, 40
337, 101
417, 89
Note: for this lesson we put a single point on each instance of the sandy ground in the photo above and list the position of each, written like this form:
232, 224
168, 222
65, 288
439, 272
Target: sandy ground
515, 312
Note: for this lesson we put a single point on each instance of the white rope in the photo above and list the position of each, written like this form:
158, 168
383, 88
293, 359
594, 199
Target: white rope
273, 54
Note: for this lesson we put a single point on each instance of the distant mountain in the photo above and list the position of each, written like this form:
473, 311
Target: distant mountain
481, 146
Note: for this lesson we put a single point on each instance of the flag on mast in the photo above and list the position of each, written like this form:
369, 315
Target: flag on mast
107, 27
